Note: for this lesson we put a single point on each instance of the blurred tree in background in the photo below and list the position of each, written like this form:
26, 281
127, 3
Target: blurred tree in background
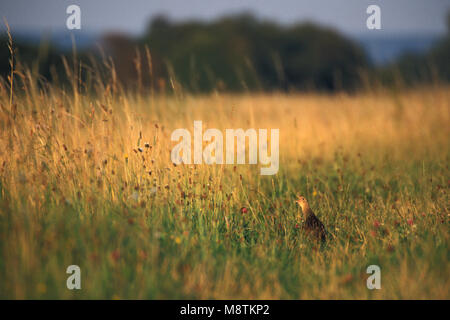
241, 52
236, 53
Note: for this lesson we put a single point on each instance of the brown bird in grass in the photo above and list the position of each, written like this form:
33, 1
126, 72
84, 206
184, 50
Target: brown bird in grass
312, 226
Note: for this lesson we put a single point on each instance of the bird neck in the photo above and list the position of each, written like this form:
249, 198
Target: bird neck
307, 211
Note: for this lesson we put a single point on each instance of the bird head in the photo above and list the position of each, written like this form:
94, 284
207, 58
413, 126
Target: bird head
302, 202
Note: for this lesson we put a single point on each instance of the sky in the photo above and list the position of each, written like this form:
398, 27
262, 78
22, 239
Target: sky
133, 16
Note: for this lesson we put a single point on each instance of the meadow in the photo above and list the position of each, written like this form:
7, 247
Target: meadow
86, 179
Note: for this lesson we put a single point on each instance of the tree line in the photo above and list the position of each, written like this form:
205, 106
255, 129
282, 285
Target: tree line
236, 53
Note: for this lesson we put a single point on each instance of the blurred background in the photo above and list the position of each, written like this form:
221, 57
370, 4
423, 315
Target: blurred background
251, 45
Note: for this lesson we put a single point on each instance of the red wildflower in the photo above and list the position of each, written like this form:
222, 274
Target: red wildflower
115, 255
376, 224
390, 248
244, 210
348, 278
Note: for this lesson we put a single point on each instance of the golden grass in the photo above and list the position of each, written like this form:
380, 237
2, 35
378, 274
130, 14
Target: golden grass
75, 189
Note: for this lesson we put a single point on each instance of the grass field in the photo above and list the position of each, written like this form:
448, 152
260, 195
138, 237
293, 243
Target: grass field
75, 189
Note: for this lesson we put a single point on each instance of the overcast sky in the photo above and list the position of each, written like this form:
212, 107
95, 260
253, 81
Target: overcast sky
132, 16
